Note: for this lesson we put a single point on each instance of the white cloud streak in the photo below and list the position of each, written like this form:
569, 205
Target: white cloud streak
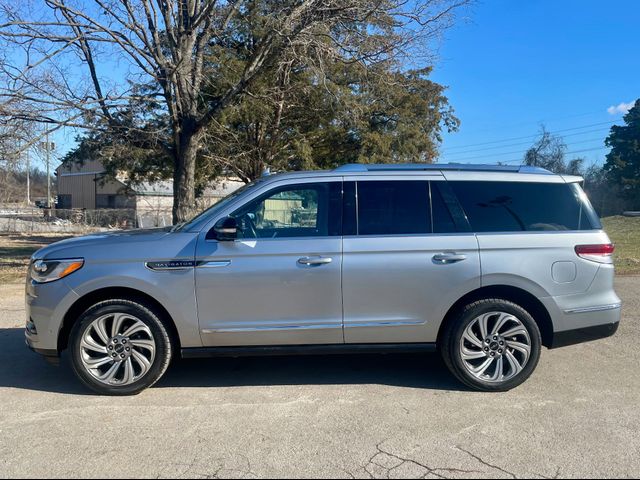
620, 108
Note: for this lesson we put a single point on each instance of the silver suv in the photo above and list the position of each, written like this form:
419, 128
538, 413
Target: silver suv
485, 264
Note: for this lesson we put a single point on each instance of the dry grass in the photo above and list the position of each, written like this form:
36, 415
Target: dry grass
625, 233
17, 248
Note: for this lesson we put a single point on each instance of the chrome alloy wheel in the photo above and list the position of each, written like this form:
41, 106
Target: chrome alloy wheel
495, 347
117, 349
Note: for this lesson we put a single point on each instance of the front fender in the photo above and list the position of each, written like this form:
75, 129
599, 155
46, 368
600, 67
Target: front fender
173, 289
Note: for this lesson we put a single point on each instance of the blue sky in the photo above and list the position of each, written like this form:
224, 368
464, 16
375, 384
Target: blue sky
516, 64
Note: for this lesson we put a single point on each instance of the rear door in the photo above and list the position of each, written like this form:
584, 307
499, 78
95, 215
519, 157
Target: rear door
528, 228
406, 258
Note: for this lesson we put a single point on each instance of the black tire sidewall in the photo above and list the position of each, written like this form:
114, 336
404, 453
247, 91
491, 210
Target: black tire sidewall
149, 318
468, 314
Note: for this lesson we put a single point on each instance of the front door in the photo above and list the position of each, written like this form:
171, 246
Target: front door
279, 283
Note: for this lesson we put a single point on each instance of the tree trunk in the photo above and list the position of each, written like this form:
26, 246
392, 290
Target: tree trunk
184, 176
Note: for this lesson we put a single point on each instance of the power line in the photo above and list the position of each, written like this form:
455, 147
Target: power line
542, 121
521, 160
521, 143
532, 136
513, 152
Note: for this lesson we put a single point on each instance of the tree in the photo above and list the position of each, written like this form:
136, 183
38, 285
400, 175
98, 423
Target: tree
359, 115
548, 152
603, 193
16, 138
623, 161
53, 72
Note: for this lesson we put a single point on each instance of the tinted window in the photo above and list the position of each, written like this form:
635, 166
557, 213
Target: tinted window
393, 208
349, 215
519, 206
306, 210
442, 219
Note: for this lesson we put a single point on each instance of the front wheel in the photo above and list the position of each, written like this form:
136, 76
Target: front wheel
120, 347
492, 345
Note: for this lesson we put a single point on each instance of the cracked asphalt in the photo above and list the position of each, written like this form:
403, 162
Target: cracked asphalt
384, 416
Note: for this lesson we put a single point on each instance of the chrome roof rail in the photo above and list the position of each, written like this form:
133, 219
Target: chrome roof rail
462, 167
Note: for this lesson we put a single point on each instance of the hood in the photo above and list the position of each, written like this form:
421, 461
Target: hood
106, 244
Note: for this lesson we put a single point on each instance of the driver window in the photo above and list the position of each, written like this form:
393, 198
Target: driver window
291, 211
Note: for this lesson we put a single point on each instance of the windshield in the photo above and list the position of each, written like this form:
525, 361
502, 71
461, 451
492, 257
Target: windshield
213, 209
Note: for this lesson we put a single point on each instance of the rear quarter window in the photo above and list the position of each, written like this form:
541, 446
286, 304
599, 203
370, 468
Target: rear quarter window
522, 206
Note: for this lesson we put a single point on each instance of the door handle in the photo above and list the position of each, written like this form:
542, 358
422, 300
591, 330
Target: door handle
446, 258
314, 260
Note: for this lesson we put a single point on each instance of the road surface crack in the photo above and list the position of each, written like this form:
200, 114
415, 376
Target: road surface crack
384, 462
487, 464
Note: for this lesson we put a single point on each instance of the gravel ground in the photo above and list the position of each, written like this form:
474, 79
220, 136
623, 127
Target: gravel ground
368, 416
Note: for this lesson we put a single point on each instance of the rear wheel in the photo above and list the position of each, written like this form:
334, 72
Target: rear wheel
492, 345
120, 347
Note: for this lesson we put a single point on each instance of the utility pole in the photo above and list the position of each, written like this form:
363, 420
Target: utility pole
48, 146
28, 178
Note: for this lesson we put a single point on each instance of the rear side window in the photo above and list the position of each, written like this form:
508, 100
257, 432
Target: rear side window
521, 206
393, 207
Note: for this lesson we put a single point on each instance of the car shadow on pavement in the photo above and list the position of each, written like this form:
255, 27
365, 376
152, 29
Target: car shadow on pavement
23, 369
26, 370
393, 369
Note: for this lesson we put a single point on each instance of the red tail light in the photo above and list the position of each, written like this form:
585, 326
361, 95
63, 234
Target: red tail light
595, 252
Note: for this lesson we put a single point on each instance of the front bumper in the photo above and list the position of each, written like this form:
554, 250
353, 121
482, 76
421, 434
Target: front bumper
45, 306
42, 351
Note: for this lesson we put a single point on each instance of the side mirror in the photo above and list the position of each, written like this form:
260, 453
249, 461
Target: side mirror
226, 230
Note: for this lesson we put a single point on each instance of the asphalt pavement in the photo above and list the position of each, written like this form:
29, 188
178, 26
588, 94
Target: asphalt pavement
372, 416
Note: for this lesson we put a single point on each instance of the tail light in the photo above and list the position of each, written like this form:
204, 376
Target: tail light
601, 253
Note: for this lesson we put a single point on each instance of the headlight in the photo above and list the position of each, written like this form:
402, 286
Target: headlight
44, 271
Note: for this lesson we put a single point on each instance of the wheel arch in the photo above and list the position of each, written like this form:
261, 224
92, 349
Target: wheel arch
525, 299
109, 293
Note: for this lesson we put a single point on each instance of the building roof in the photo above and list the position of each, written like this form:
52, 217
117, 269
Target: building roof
164, 188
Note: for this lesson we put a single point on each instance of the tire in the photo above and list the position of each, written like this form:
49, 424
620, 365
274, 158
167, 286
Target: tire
509, 359
133, 333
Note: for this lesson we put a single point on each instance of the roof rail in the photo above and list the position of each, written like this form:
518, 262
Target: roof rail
463, 167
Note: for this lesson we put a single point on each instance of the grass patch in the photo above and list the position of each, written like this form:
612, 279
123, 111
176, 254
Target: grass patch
625, 233
15, 251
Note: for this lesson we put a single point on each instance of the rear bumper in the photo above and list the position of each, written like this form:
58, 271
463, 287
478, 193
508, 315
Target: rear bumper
586, 316
585, 334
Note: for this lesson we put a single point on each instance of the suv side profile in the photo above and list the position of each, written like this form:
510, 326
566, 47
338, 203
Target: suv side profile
486, 264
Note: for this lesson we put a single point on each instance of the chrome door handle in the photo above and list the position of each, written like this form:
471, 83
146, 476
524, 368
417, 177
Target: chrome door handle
314, 260
445, 258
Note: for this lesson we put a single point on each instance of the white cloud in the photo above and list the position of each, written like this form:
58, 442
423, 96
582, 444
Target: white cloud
621, 108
